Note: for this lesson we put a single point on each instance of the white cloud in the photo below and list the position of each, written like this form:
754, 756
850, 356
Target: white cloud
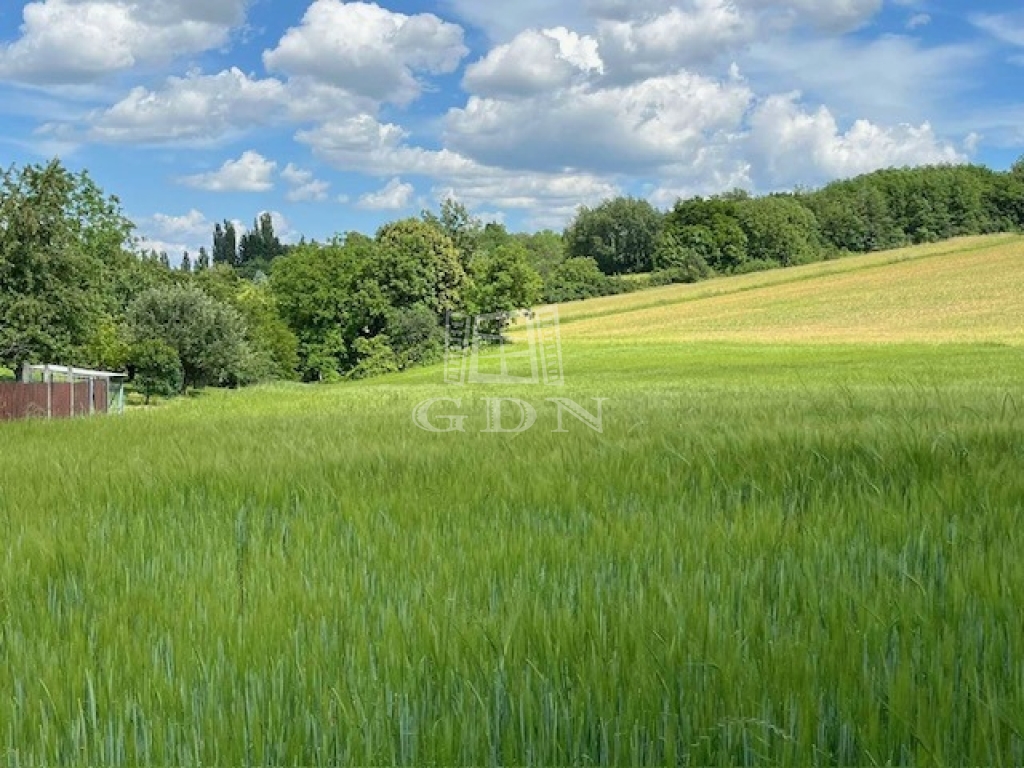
188, 225
304, 186
367, 50
250, 173
82, 41
502, 21
792, 145
534, 62
630, 129
679, 37
204, 109
1006, 27
395, 196
366, 146
196, 107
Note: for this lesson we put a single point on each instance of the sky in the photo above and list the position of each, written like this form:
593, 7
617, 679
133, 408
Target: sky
338, 116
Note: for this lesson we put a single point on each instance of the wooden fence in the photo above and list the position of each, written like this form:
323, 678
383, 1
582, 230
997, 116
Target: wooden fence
54, 400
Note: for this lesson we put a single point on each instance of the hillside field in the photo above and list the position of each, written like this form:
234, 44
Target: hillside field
795, 542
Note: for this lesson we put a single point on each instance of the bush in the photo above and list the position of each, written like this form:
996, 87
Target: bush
755, 265
157, 368
576, 279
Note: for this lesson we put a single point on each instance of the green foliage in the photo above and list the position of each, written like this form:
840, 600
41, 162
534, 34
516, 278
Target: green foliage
258, 247
779, 229
374, 356
317, 292
575, 279
225, 244
678, 257
620, 235
208, 335
61, 249
546, 250
462, 228
275, 347
417, 264
415, 336
157, 368
108, 348
503, 281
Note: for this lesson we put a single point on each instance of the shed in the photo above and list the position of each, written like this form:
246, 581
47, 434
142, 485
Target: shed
60, 392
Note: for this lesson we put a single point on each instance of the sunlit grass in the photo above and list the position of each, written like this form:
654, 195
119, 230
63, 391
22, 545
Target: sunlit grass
964, 290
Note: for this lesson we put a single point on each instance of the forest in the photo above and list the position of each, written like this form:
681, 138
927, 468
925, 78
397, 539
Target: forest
77, 288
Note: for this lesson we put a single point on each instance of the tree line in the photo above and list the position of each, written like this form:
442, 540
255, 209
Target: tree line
76, 288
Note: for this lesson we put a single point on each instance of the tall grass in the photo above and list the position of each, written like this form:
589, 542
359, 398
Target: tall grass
770, 556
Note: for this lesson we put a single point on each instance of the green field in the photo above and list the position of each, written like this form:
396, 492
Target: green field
796, 542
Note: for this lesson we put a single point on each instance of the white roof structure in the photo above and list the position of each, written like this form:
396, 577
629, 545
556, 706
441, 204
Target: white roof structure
81, 373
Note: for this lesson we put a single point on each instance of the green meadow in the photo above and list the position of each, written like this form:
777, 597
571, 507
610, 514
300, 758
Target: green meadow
786, 546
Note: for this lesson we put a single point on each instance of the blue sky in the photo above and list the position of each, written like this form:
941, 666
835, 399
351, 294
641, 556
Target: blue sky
338, 116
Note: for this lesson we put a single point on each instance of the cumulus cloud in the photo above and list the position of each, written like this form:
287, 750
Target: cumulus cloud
680, 37
82, 41
303, 185
395, 196
189, 225
793, 145
366, 146
196, 107
628, 129
249, 173
534, 62
367, 50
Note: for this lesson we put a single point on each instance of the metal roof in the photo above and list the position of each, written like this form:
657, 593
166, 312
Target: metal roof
82, 373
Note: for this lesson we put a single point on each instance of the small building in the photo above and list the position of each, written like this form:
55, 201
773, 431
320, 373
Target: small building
61, 392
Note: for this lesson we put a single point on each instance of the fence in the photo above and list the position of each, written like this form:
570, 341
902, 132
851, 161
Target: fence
55, 400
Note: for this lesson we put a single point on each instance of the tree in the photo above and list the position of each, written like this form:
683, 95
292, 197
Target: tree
575, 279
417, 264
275, 347
259, 246
675, 255
208, 335
546, 250
225, 244
62, 262
460, 226
318, 295
620, 235
781, 230
503, 281
157, 368
711, 229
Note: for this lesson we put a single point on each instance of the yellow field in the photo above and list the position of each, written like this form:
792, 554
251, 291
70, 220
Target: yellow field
966, 290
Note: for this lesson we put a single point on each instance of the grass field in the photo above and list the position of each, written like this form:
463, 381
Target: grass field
796, 542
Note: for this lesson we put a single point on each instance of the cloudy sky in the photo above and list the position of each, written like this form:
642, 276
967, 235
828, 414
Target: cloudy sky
341, 115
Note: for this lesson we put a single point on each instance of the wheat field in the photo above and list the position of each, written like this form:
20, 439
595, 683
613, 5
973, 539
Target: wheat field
795, 541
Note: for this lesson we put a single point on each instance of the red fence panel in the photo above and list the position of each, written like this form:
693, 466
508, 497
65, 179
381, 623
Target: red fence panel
22, 401
26, 401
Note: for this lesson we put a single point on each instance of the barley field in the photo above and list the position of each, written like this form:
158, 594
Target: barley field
796, 541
